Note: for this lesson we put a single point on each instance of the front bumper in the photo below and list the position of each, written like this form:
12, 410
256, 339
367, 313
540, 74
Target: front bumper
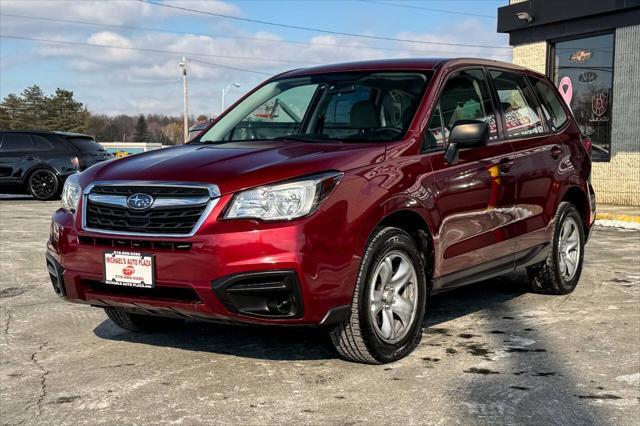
240, 271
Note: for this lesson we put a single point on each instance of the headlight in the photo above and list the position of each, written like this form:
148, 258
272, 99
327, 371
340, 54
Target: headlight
283, 201
71, 193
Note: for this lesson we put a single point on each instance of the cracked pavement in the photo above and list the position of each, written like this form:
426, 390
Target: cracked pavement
490, 353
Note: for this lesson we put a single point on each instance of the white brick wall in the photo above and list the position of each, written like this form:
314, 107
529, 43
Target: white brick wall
532, 55
618, 181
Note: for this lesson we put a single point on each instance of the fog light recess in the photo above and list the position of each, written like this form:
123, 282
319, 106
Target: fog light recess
270, 294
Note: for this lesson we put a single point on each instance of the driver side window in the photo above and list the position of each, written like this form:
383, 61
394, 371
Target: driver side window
465, 96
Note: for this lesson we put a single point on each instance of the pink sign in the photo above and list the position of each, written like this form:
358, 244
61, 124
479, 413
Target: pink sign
566, 89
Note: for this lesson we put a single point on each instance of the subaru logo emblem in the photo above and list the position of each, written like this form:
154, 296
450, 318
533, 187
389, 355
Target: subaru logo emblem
139, 201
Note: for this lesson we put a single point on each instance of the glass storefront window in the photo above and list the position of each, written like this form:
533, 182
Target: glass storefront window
583, 73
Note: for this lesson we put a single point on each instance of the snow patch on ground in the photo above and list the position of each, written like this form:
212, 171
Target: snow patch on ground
631, 379
618, 224
518, 341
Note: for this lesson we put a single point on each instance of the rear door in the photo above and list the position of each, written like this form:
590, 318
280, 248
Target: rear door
473, 207
538, 161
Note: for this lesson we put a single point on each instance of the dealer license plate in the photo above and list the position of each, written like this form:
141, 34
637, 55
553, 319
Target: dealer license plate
129, 269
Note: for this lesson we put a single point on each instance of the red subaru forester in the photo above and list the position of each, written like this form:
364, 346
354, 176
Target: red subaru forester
341, 196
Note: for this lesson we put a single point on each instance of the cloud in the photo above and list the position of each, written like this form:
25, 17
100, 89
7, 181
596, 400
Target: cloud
112, 80
116, 12
469, 31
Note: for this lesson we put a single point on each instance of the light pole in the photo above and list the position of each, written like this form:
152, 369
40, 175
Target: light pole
183, 65
225, 91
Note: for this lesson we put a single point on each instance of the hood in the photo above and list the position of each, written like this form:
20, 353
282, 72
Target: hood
238, 165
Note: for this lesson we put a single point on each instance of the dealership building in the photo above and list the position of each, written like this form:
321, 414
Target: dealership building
591, 50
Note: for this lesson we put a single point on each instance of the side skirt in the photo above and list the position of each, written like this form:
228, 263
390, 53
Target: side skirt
492, 269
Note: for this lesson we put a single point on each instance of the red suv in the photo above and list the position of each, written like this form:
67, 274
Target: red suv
342, 196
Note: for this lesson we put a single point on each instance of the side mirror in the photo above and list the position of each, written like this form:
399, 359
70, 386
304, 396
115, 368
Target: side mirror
466, 134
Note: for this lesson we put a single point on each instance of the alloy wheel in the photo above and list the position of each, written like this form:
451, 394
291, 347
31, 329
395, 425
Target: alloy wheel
43, 184
568, 249
393, 297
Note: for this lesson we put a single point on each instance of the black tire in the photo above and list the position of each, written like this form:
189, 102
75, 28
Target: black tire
547, 277
141, 323
355, 339
44, 184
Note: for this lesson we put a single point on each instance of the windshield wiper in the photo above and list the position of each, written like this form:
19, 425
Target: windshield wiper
210, 142
301, 138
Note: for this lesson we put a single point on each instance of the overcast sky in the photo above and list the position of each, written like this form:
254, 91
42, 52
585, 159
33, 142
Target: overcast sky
113, 81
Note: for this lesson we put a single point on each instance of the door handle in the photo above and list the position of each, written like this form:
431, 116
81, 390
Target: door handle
505, 165
30, 158
556, 152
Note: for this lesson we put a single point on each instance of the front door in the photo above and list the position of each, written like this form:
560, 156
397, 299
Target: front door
474, 197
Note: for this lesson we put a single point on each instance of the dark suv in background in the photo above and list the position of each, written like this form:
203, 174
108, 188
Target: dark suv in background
38, 162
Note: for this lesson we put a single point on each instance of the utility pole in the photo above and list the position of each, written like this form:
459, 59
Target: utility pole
183, 65
224, 92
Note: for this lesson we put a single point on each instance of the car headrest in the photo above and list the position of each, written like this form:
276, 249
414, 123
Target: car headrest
364, 116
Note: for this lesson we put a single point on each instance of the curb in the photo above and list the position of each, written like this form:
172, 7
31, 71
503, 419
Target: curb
613, 220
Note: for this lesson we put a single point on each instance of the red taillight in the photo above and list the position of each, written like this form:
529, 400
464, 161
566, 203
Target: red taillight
74, 162
586, 141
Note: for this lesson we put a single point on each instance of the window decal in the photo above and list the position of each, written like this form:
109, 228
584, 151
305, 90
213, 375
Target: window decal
599, 106
566, 89
587, 77
581, 56
583, 72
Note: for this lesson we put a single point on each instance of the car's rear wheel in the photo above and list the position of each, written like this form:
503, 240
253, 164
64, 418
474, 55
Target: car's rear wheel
560, 272
44, 184
388, 303
141, 323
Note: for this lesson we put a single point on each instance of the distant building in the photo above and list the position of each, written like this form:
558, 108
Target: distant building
591, 50
124, 149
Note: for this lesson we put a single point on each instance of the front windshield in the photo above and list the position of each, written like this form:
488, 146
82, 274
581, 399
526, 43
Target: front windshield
370, 106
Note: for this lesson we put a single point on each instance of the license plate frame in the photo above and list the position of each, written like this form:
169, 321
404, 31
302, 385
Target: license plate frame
131, 269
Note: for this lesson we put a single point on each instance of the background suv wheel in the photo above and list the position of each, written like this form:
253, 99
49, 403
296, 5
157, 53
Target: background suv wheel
388, 303
44, 184
560, 272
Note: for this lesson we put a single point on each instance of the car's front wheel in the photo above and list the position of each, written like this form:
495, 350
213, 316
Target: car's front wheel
560, 272
388, 303
141, 323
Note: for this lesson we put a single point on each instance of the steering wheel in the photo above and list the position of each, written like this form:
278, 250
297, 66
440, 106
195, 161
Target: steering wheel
387, 131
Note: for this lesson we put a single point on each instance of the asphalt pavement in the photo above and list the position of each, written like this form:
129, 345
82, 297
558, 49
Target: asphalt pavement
490, 353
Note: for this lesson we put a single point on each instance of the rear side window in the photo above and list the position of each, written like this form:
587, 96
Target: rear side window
550, 103
41, 143
464, 97
17, 142
519, 108
85, 144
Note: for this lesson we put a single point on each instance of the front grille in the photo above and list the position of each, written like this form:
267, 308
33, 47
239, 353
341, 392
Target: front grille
176, 209
172, 220
155, 191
